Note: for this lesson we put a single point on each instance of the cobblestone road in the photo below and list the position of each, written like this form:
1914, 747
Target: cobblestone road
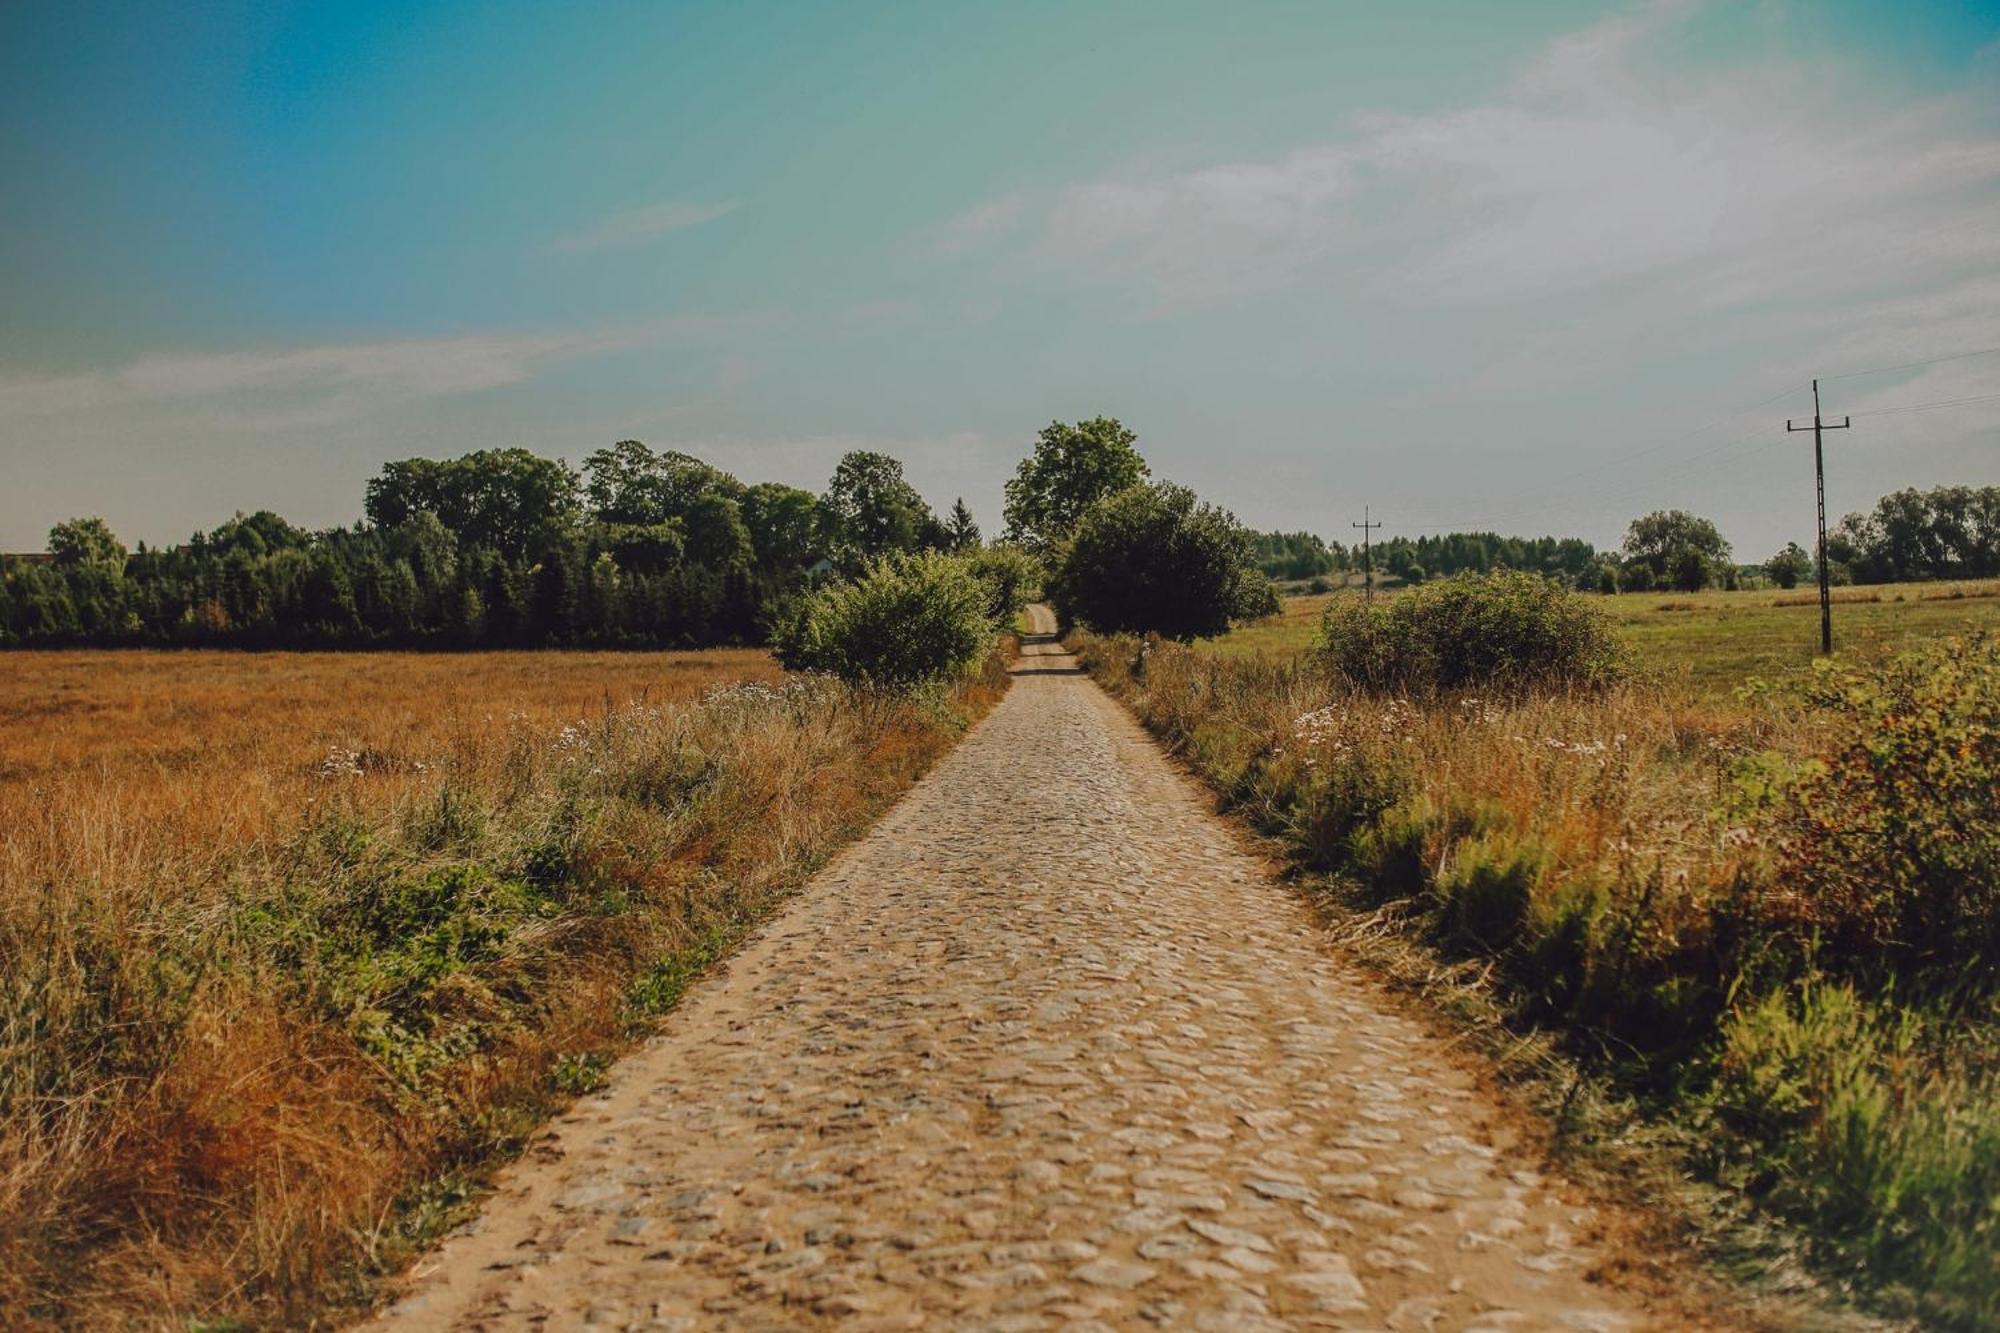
1046, 1049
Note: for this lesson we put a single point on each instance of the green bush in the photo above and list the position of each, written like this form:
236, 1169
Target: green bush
1844, 1112
909, 619
1507, 631
1889, 847
1151, 559
1012, 578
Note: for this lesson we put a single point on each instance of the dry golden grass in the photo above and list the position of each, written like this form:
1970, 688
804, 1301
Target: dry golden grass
293, 945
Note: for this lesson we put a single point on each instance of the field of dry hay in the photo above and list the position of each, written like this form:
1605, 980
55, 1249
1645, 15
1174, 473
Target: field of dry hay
294, 946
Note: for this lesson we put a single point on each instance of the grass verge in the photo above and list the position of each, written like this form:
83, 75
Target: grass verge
242, 1078
1756, 930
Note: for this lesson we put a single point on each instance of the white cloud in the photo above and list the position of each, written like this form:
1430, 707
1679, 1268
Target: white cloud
640, 225
320, 385
1602, 163
979, 226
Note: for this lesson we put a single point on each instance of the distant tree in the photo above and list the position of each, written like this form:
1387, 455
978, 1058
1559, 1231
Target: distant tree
1071, 468
630, 483
784, 525
961, 533
1297, 555
1789, 567
87, 542
1678, 549
870, 510
509, 499
1948, 532
258, 534
1153, 559
716, 535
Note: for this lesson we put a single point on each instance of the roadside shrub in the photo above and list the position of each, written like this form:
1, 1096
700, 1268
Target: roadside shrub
1890, 839
909, 619
1487, 889
1509, 631
1847, 1113
1012, 579
1151, 559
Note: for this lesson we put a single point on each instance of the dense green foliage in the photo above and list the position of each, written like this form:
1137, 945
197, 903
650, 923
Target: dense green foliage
1789, 567
1071, 469
1445, 554
1152, 559
1011, 576
499, 548
1293, 556
1504, 631
907, 620
1891, 836
1952, 532
1672, 548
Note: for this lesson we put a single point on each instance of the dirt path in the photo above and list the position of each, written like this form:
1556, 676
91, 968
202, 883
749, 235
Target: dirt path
1045, 1048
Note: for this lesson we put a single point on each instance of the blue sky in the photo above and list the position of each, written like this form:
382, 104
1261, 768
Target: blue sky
1525, 266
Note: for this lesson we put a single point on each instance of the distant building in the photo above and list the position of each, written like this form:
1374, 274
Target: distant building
8, 559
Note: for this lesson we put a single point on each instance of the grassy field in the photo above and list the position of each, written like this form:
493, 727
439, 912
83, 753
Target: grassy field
1719, 639
294, 946
1761, 927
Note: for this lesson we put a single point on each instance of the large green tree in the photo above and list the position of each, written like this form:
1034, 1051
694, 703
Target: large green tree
87, 542
1677, 549
630, 483
509, 499
1071, 469
784, 525
869, 510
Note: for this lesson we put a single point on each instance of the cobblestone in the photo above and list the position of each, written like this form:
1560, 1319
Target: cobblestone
1045, 1049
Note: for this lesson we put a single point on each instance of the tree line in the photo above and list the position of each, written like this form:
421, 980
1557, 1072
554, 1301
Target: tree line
498, 548
657, 549
1950, 532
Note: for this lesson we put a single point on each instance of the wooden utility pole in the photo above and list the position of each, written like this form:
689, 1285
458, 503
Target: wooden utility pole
1818, 428
1367, 554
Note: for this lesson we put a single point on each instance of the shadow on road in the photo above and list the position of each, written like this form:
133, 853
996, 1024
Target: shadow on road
1043, 655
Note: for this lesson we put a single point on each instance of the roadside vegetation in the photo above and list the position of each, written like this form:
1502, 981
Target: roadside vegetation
297, 947
1762, 921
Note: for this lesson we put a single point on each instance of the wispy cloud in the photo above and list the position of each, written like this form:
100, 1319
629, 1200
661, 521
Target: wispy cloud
979, 226
326, 383
1604, 161
639, 225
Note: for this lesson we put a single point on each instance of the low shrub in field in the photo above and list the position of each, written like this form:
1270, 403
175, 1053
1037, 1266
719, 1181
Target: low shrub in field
1504, 631
1772, 924
907, 620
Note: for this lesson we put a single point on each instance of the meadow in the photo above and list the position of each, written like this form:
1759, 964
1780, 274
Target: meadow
1716, 640
294, 947
1749, 922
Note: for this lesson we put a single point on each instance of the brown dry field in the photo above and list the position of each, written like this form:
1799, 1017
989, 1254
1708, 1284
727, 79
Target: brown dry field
226, 743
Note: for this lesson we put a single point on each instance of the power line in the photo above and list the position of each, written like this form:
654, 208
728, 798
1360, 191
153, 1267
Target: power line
1594, 494
1630, 455
1893, 409
1913, 365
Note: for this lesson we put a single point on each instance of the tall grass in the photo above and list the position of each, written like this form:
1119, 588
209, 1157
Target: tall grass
256, 1047
1765, 919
